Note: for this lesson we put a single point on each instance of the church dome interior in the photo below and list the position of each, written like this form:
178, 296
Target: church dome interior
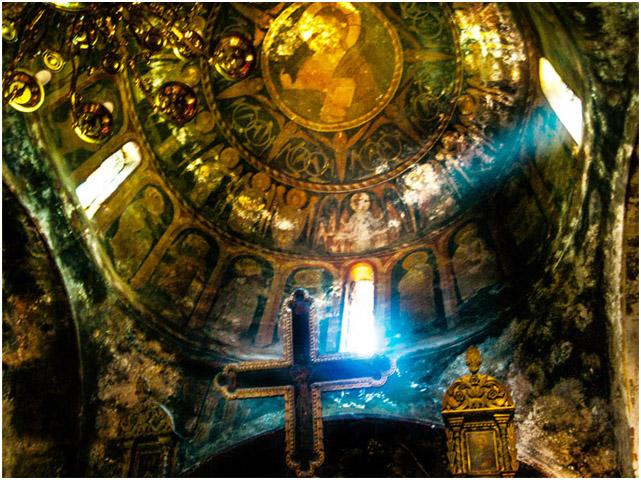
433, 175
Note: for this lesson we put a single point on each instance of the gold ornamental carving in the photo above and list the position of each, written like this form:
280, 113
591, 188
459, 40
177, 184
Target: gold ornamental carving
147, 437
477, 392
478, 412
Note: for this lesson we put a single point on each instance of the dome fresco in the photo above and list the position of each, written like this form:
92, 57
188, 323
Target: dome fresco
418, 149
378, 141
346, 132
414, 153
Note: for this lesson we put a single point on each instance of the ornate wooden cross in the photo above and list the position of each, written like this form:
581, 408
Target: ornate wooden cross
300, 377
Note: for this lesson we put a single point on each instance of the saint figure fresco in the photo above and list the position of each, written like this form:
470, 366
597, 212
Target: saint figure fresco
181, 274
331, 65
330, 33
416, 290
238, 306
417, 302
363, 229
210, 171
249, 210
475, 265
291, 216
136, 231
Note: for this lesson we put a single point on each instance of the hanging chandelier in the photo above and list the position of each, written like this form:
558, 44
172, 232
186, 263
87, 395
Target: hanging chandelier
85, 38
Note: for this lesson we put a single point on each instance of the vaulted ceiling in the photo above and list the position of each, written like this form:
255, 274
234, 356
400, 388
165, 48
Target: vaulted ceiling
414, 137
438, 115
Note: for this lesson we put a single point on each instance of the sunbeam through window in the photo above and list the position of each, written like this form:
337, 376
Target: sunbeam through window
358, 332
563, 101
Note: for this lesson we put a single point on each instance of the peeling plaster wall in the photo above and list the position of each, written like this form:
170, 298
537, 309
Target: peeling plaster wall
613, 55
40, 364
606, 37
112, 353
630, 314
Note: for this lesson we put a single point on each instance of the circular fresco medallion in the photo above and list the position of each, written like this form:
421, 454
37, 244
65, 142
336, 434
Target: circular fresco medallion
331, 66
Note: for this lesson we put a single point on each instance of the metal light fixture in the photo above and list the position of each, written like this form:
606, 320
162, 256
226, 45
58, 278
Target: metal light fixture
110, 37
22, 91
233, 57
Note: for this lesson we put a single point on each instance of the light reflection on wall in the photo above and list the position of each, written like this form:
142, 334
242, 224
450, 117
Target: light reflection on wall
108, 177
563, 101
359, 330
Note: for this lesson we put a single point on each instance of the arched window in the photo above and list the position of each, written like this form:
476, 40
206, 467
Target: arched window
107, 177
358, 330
563, 101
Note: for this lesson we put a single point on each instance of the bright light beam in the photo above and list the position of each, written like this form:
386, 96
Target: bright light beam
563, 101
358, 333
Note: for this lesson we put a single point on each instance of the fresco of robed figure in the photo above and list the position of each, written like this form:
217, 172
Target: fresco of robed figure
334, 67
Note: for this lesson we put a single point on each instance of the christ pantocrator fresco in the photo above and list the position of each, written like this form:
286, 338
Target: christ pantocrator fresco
321, 69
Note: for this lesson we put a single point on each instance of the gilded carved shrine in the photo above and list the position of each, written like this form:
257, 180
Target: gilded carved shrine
301, 377
147, 438
478, 412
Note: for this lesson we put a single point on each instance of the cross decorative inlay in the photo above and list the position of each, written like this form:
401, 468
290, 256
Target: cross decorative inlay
300, 377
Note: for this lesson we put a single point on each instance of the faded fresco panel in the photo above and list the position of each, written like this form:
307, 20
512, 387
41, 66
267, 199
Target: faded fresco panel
428, 192
522, 215
179, 279
416, 301
201, 179
475, 265
361, 225
248, 202
239, 305
400, 221
135, 232
326, 223
291, 217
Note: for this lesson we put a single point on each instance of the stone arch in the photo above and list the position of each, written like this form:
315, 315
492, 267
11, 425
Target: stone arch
42, 384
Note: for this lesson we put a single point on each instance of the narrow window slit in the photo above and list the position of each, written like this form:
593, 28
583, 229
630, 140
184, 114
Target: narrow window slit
106, 179
563, 101
359, 332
